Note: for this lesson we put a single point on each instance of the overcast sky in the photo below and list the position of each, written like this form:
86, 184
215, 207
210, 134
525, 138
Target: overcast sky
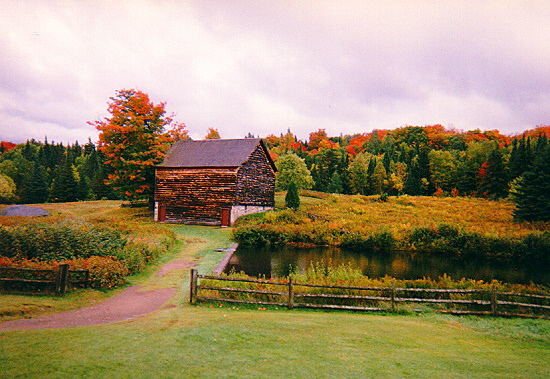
266, 66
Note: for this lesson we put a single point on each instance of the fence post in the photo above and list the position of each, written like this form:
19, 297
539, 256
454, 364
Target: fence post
193, 286
290, 293
62, 279
393, 297
494, 309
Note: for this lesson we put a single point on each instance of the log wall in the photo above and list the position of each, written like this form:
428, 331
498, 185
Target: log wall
195, 195
256, 180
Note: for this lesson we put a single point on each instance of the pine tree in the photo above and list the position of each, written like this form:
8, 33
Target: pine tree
335, 184
413, 185
494, 176
64, 185
35, 190
533, 194
292, 198
514, 163
424, 171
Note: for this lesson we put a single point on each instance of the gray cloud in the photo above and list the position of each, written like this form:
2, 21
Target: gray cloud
263, 67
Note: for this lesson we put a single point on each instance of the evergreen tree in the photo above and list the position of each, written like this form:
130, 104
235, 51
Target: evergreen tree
427, 187
336, 185
520, 157
387, 161
64, 185
326, 163
292, 198
35, 190
413, 184
83, 189
494, 177
541, 144
533, 194
514, 163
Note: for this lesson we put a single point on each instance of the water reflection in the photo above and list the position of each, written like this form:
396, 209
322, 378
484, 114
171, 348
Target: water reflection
402, 265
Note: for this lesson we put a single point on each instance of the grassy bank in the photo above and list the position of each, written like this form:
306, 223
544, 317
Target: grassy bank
149, 243
212, 341
442, 225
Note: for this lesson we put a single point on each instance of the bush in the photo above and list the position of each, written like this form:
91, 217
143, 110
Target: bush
64, 240
536, 247
105, 272
450, 240
382, 241
259, 236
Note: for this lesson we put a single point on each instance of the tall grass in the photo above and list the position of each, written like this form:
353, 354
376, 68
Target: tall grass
77, 231
450, 225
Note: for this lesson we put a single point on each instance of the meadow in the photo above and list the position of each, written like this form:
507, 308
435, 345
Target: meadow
453, 225
220, 341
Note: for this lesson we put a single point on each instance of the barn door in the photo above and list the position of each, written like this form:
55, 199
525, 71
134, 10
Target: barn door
162, 212
226, 213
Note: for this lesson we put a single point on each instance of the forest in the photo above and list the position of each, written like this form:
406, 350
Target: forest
413, 160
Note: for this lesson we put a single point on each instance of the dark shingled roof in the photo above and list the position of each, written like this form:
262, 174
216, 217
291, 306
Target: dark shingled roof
212, 153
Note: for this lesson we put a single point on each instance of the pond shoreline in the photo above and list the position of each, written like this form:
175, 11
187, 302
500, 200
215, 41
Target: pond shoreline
225, 260
402, 264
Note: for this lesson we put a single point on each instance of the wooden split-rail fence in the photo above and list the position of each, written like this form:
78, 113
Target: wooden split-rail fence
387, 299
16, 279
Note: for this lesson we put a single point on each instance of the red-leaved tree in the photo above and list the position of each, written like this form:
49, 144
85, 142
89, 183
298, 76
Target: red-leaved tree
133, 140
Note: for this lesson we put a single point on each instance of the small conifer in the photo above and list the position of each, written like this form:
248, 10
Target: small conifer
292, 198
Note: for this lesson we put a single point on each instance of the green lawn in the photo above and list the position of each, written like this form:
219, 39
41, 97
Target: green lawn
206, 341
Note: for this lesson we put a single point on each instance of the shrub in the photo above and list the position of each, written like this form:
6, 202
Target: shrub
422, 238
259, 236
536, 247
450, 240
383, 241
64, 240
105, 272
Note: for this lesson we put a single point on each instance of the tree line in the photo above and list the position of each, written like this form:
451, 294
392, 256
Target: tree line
412, 160
420, 161
39, 172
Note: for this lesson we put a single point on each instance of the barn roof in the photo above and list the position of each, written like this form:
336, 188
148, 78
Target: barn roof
213, 153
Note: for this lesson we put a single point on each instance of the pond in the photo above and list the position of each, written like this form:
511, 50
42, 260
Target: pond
401, 265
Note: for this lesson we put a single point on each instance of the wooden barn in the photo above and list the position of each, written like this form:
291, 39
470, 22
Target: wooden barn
214, 181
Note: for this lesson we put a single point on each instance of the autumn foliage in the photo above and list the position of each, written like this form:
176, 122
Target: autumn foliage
212, 134
133, 140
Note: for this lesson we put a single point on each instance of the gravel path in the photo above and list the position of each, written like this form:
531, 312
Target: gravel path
126, 305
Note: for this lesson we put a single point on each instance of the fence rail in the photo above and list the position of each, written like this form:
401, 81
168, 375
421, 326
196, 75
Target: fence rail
305, 295
60, 279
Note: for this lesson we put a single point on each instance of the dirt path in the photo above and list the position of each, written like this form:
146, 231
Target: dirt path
126, 305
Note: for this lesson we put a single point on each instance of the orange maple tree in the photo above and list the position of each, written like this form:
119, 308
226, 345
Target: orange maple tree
133, 140
212, 134
179, 132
